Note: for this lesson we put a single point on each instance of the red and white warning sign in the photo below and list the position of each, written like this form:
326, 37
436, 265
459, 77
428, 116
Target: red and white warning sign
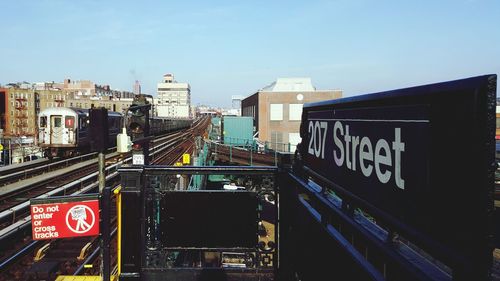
64, 219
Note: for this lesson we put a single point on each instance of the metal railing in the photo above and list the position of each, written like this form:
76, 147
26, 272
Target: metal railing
260, 146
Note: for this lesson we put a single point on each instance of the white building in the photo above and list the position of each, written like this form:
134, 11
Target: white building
236, 105
174, 99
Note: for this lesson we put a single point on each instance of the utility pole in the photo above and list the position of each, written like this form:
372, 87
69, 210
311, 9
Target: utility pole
99, 142
99, 139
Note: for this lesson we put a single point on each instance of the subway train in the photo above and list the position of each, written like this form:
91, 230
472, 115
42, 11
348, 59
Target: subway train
65, 131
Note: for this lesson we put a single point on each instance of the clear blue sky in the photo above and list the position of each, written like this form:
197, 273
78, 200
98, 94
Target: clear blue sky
225, 48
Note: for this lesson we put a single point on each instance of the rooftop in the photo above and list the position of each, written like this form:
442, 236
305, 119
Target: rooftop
302, 84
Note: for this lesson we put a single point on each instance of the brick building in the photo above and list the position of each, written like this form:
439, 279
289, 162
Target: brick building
277, 109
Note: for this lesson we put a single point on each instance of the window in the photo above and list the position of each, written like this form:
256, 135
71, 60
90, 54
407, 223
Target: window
276, 113
57, 122
84, 122
295, 112
293, 139
277, 141
70, 121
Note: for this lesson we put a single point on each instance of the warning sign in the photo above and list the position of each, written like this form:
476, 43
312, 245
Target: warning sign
186, 158
61, 219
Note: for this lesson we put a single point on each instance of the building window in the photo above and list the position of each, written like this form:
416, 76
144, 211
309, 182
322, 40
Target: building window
294, 139
295, 112
277, 141
276, 113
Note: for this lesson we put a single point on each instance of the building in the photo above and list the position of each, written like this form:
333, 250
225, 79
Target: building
236, 104
277, 110
82, 88
137, 88
174, 99
20, 103
3, 109
22, 109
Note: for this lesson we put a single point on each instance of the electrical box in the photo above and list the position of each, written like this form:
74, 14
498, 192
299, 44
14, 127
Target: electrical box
99, 132
123, 142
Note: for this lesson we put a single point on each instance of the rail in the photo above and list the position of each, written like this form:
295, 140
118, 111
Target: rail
23, 224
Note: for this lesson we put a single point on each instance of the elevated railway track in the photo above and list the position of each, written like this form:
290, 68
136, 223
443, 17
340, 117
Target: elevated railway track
21, 257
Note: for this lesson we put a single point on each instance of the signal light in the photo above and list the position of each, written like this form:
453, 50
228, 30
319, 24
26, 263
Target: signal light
136, 128
137, 124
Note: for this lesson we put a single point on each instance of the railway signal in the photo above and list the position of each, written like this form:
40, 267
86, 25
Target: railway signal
138, 128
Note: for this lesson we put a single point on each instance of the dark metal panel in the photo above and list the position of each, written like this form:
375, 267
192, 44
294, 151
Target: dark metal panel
98, 129
433, 146
132, 241
209, 219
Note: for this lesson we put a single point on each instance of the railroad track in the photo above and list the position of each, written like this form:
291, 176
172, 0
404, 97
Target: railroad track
18, 249
14, 205
15, 173
11, 199
242, 156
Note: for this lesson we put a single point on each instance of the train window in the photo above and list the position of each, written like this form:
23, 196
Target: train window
57, 122
69, 121
84, 122
43, 121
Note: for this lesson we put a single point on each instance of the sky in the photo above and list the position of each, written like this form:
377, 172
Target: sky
225, 48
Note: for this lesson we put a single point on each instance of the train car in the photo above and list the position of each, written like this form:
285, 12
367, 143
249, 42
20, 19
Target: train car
66, 131
159, 125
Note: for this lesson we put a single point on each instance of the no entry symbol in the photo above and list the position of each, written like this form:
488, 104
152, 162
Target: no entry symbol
80, 219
